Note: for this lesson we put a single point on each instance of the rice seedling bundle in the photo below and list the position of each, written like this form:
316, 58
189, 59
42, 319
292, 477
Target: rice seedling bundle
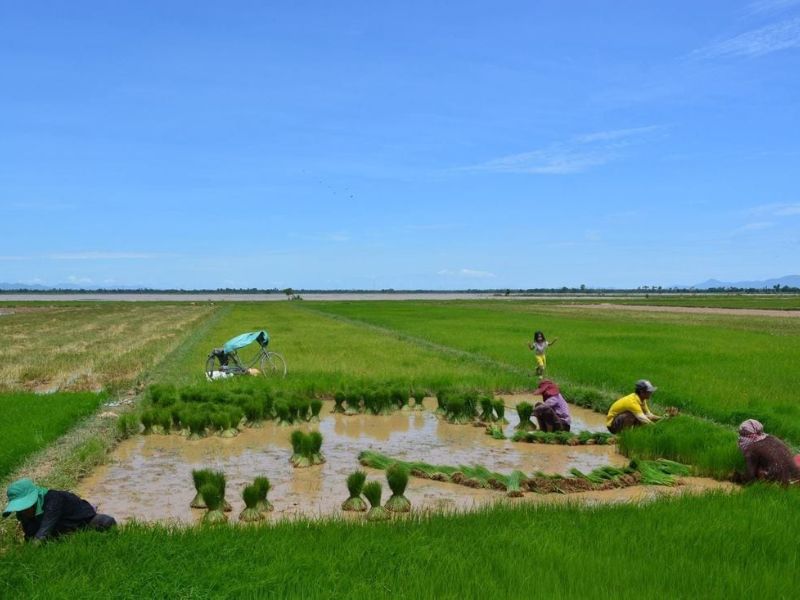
372, 492
303, 409
399, 397
200, 477
148, 418
298, 440
197, 425
496, 431
397, 478
263, 485
355, 486
251, 495
525, 410
500, 410
315, 442
353, 402
213, 500
339, 398
419, 395
128, 424
487, 409
316, 408
442, 397
283, 413
513, 484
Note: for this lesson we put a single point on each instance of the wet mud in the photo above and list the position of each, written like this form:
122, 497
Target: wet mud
149, 477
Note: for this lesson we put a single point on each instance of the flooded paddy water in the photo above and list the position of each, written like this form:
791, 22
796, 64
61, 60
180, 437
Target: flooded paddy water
149, 477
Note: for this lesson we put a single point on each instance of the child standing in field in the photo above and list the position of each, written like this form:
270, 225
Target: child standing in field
539, 345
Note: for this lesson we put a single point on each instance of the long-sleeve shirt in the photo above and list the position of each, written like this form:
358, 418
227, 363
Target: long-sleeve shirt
559, 406
770, 459
62, 512
630, 403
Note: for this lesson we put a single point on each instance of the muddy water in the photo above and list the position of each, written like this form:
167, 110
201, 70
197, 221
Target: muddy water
149, 477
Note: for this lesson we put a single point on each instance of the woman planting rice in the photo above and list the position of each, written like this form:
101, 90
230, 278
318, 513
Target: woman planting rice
553, 413
767, 457
47, 514
355, 485
632, 410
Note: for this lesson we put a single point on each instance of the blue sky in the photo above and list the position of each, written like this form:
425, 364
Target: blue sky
405, 145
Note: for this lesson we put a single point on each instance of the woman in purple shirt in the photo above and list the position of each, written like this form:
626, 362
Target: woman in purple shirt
552, 413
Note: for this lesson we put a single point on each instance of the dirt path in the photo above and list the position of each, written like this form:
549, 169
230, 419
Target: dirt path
746, 312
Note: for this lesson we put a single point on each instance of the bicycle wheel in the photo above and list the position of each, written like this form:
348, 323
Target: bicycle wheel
273, 365
210, 364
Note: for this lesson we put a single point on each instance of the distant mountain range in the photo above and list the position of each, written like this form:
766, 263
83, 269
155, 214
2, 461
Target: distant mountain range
788, 280
792, 281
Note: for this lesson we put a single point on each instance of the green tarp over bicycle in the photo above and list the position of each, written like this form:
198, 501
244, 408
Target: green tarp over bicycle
245, 339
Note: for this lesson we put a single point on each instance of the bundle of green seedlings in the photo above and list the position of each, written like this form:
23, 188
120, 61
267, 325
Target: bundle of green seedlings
250, 514
316, 408
419, 395
339, 398
461, 408
372, 492
212, 490
263, 485
400, 398
355, 486
584, 438
525, 411
201, 477
306, 449
496, 431
487, 410
397, 478
500, 410
476, 476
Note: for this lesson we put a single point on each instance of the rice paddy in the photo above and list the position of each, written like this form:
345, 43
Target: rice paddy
417, 418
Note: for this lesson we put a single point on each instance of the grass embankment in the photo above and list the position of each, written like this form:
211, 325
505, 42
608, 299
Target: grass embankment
31, 422
325, 354
722, 367
88, 346
714, 546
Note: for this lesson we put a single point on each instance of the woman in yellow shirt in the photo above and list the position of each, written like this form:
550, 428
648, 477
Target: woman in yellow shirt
632, 410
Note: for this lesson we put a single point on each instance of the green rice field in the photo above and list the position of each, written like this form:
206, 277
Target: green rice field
31, 421
718, 369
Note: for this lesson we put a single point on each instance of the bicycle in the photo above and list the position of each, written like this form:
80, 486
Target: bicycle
226, 362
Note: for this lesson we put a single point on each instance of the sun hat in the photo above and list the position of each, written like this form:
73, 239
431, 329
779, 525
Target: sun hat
643, 385
22, 494
546, 387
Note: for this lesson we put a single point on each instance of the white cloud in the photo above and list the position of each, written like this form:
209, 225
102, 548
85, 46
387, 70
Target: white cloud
469, 273
755, 226
575, 155
101, 256
757, 42
777, 210
769, 6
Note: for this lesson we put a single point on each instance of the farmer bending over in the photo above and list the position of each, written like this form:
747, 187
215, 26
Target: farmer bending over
553, 413
766, 456
46, 514
632, 410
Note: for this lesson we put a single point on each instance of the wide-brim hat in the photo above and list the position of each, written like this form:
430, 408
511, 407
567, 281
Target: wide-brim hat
22, 494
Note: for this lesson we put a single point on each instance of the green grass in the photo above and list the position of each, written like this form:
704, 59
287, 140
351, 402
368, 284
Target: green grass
728, 368
714, 546
31, 422
323, 353
711, 449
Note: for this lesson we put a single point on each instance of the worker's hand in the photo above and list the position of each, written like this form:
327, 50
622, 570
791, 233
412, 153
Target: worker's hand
36, 542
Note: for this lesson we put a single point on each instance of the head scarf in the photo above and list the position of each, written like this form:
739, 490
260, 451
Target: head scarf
750, 432
23, 494
547, 389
